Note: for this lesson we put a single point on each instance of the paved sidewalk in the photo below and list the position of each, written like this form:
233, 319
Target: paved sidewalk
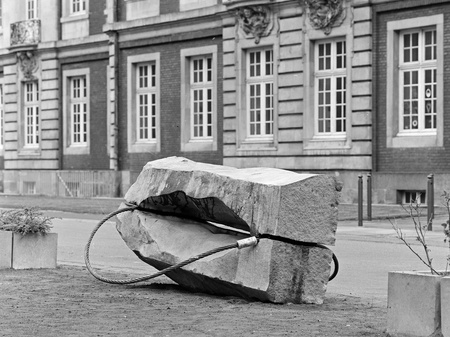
96, 208
366, 253
347, 212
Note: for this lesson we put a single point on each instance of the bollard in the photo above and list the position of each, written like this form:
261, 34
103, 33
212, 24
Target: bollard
360, 200
369, 197
430, 201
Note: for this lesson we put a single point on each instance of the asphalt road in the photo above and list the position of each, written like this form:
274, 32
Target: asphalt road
366, 254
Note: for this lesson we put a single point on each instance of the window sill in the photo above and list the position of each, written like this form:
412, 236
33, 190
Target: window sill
328, 143
143, 147
254, 147
29, 152
74, 17
199, 145
413, 141
76, 150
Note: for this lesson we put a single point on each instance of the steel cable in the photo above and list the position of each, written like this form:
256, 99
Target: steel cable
173, 267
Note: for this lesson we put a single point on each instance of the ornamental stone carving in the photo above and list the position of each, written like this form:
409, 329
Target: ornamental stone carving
25, 33
324, 14
28, 64
255, 21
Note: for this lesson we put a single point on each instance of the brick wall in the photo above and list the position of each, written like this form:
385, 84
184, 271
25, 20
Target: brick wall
169, 6
166, 6
96, 16
170, 117
98, 158
430, 159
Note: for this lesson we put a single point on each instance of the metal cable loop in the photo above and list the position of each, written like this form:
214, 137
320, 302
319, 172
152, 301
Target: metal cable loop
131, 207
142, 278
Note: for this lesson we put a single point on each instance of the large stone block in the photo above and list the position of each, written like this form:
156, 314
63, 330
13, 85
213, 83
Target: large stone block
274, 205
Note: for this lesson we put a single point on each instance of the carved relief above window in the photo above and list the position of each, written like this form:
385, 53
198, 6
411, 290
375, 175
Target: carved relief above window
325, 14
255, 21
28, 64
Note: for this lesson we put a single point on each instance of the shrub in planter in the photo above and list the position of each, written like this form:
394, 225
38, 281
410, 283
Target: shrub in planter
416, 306
25, 239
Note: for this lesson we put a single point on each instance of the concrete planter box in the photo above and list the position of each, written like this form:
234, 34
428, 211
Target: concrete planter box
445, 306
5, 249
414, 304
28, 251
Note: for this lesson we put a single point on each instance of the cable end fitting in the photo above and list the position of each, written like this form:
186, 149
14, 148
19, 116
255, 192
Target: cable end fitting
247, 242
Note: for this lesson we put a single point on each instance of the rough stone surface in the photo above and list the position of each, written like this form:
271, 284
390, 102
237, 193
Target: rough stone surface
260, 201
302, 207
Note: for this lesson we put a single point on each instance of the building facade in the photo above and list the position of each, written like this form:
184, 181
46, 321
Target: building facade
92, 90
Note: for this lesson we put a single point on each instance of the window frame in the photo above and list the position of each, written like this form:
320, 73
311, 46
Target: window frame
31, 13
145, 124
201, 99
262, 82
81, 4
31, 139
238, 119
334, 73
395, 136
136, 145
2, 118
1, 16
328, 144
71, 147
421, 66
189, 142
78, 105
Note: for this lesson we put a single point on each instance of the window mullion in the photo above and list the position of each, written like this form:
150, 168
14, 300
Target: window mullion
333, 101
421, 99
204, 110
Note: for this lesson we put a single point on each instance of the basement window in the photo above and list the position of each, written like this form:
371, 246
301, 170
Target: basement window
29, 187
408, 197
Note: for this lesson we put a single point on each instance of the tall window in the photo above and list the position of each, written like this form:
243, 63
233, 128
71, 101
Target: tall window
78, 110
32, 9
31, 106
143, 97
260, 95
201, 97
330, 88
146, 102
418, 81
2, 118
198, 97
415, 73
77, 6
1, 13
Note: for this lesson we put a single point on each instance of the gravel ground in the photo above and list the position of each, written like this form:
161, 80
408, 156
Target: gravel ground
68, 301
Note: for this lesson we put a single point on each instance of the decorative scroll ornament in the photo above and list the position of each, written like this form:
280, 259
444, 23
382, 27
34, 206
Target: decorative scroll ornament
255, 21
324, 14
28, 63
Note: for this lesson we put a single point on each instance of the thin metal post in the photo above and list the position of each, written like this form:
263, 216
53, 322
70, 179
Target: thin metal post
430, 201
369, 197
360, 200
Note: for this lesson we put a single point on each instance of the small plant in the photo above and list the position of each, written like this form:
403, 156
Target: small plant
25, 221
415, 213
